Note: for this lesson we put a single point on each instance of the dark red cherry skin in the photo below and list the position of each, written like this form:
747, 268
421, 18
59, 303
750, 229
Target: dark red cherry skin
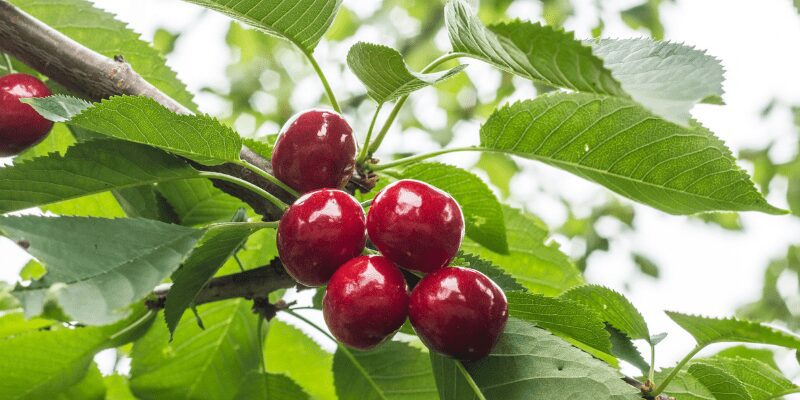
416, 225
316, 149
320, 232
20, 125
365, 302
458, 312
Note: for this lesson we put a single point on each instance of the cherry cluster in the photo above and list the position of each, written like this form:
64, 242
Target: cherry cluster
20, 125
455, 311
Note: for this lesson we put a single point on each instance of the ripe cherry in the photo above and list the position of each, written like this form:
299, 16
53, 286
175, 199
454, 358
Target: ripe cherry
20, 125
366, 302
458, 312
416, 225
315, 149
320, 232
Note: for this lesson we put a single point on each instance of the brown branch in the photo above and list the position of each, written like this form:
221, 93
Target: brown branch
250, 284
93, 76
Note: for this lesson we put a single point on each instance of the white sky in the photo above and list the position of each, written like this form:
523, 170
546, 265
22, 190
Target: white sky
704, 269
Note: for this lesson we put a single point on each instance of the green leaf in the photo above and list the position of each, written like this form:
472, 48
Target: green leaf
87, 168
532, 260
483, 214
613, 308
117, 388
762, 381
666, 78
42, 364
97, 267
497, 275
57, 141
623, 348
712, 330
618, 144
765, 356
198, 363
142, 120
145, 202
684, 386
452, 380
101, 32
12, 324
197, 202
721, 384
563, 317
102, 205
303, 22
217, 245
391, 371
530, 363
91, 387
290, 352
260, 386
386, 75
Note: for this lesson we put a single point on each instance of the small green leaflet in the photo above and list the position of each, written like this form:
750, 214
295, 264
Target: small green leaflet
713, 330
198, 363
391, 371
386, 75
666, 78
261, 386
762, 381
42, 364
142, 120
562, 317
616, 143
303, 22
721, 384
533, 260
483, 214
530, 363
623, 348
613, 308
217, 245
97, 267
101, 32
87, 168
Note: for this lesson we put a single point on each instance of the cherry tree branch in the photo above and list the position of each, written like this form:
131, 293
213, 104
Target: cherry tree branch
93, 76
250, 284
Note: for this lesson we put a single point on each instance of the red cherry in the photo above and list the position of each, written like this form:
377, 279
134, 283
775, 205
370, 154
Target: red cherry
318, 233
458, 312
416, 225
20, 125
315, 149
366, 302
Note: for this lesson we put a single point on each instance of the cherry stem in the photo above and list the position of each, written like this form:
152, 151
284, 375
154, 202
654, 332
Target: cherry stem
247, 185
663, 384
9, 64
424, 156
364, 149
264, 174
401, 101
308, 321
324, 80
